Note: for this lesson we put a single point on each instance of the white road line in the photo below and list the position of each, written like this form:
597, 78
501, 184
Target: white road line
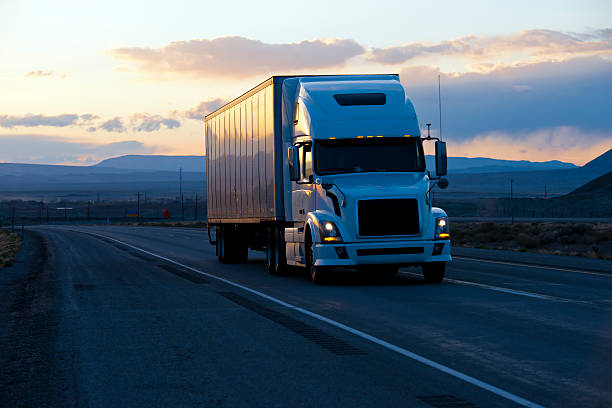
465, 258
430, 363
505, 290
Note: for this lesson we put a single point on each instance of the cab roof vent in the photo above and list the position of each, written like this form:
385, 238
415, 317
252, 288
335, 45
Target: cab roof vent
359, 99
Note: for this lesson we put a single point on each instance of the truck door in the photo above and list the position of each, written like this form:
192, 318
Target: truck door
302, 196
303, 189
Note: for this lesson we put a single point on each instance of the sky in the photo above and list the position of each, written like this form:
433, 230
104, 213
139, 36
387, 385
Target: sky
84, 81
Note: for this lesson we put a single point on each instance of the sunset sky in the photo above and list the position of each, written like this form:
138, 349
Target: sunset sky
83, 81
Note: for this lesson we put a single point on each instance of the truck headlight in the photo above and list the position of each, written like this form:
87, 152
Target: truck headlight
330, 232
442, 231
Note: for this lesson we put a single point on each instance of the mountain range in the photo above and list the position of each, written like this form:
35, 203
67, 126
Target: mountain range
124, 176
455, 164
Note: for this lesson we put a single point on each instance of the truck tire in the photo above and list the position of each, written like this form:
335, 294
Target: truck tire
276, 256
231, 247
317, 275
433, 272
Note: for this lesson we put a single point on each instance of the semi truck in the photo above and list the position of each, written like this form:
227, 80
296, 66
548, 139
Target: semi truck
325, 172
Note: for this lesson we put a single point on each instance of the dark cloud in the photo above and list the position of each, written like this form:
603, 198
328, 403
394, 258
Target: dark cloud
38, 74
239, 56
204, 108
113, 125
7, 121
536, 42
573, 93
143, 122
53, 150
403, 53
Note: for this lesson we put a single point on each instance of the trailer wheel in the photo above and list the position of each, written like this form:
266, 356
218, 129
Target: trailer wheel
231, 247
433, 272
221, 256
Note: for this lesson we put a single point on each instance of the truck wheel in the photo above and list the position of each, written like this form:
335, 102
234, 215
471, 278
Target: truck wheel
276, 257
221, 255
271, 253
433, 272
316, 272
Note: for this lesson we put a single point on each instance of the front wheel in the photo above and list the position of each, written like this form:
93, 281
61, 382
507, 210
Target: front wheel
433, 272
316, 272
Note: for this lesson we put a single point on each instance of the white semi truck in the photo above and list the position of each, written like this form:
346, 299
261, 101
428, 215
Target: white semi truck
325, 172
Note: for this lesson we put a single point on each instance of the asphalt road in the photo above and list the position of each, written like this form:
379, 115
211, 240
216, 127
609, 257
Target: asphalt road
91, 321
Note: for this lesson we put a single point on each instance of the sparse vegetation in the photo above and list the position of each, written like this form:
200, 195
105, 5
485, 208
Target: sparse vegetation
593, 240
10, 244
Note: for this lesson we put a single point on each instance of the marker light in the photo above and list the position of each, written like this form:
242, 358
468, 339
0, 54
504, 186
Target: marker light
442, 230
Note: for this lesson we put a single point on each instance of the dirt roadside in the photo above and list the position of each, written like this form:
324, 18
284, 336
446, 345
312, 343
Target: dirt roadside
29, 321
592, 240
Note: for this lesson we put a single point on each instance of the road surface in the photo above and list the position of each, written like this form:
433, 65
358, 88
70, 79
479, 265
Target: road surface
144, 316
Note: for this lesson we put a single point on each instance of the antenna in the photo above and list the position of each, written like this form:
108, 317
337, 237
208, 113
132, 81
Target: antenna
440, 106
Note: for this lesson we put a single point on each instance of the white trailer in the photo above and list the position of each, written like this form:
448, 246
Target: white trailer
325, 172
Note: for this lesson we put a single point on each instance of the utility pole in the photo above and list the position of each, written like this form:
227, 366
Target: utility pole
88, 205
12, 219
545, 191
511, 203
47, 213
138, 207
195, 215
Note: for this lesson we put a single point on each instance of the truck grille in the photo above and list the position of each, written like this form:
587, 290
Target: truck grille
388, 217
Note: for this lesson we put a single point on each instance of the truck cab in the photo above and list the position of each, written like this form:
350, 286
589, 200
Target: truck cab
357, 187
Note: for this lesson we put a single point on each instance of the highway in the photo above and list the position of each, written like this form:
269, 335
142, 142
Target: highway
144, 316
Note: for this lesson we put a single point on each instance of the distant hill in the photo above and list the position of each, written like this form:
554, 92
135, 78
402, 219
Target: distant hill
50, 182
556, 182
601, 186
155, 162
603, 162
487, 165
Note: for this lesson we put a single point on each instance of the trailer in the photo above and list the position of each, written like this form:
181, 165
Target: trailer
324, 172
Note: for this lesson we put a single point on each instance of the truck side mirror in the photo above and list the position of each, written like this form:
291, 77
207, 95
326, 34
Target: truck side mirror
294, 163
440, 159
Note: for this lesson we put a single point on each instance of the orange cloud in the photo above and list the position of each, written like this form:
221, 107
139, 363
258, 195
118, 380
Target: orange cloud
564, 143
239, 56
534, 43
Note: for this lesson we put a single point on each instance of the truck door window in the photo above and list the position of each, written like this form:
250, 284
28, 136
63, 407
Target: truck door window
305, 163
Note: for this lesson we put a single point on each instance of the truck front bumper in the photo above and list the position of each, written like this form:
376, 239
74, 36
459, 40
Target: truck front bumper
380, 253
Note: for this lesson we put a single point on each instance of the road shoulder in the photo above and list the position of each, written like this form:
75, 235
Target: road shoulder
556, 261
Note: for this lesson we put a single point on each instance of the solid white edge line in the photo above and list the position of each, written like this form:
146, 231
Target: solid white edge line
505, 290
467, 258
430, 363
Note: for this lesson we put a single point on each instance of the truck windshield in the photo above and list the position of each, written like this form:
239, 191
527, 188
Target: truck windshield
383, 154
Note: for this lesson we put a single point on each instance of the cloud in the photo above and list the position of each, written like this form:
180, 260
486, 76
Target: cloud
55, 150
38, 74
204, 108
239, 56
29, 120
113, 125
515, 98
143, 122
534, 43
